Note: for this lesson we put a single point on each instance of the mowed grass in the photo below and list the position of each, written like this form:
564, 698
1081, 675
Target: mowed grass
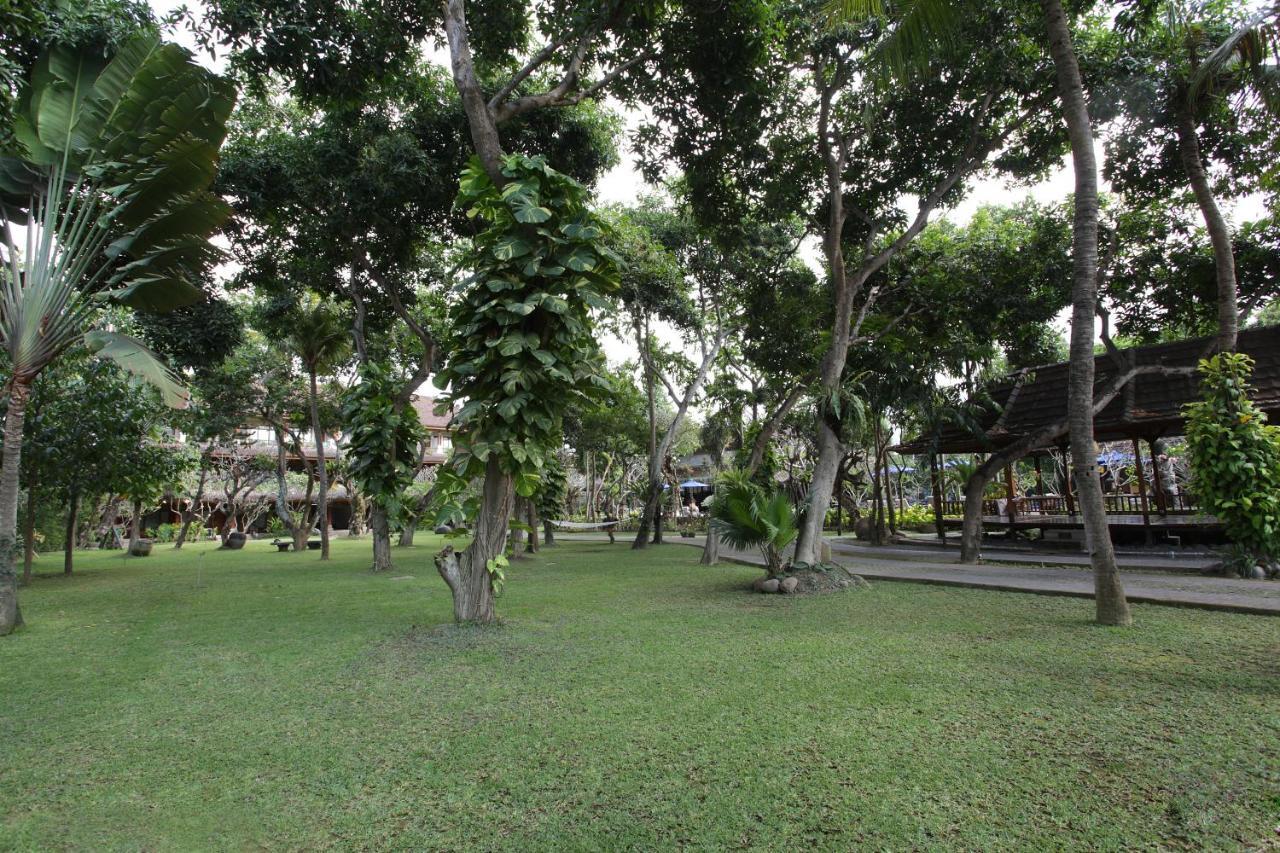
256, 700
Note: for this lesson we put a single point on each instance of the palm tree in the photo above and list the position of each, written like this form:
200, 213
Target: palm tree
321, 338
746, 516
1237, 66
107, 203
919, 26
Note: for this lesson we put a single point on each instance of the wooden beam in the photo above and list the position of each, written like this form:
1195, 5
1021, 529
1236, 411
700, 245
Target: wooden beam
1142, 487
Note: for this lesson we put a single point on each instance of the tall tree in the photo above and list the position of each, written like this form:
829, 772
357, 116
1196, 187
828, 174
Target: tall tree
1111, 605
319, 337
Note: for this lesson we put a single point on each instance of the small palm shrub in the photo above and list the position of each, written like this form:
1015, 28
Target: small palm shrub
1235, 456
746, 516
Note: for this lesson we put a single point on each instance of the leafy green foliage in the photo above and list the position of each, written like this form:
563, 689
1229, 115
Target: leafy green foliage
1235, 456
382, 448
522, 349
553, 488
747, 516
111, 181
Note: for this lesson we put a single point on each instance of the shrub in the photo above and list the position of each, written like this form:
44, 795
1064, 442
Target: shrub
1235, 456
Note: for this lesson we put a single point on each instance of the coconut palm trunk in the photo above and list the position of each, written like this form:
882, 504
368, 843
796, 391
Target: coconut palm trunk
15, 417
1112, 608
1224, 261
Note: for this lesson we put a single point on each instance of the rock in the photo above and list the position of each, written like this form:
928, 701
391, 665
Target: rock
444, 528
863, 528
824, 552
1257, 573
766, 585
788, 585
140, 548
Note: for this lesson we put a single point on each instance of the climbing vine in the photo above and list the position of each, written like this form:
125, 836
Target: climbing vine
1235, 456
521, 347
382, 456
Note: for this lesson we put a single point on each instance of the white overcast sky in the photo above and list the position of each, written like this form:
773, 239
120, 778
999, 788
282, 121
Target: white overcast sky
623, 184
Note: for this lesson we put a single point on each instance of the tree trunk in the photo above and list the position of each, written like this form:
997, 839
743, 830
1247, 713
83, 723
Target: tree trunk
1224, 261
975, 490
10, 613
649, 515
711, 550
517, 533
355, 527
381, 528
1112, 608
467, 574
189, 515
532, 547
69, 547
322, 473
548, 533
406, 535
135, 524
29, 534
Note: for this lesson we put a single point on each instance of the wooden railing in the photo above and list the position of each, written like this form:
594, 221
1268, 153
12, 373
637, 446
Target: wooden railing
1033, 505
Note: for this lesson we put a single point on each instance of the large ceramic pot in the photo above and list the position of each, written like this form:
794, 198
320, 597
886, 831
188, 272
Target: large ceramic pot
236, 540
140, 548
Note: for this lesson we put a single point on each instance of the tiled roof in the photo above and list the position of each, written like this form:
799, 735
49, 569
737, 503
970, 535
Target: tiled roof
1149, 407
425, 407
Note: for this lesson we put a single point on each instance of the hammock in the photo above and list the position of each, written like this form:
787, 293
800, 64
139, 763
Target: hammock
584, 525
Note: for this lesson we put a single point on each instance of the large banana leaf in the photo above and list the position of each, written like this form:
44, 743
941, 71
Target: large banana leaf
136, 359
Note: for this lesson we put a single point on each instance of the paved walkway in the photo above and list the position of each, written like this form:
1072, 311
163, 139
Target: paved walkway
926, 551
1210, 593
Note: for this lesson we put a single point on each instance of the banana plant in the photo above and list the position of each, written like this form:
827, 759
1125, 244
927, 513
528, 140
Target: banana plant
105, 202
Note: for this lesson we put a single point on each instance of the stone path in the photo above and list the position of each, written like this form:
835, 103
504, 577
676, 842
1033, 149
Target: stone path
1177, 590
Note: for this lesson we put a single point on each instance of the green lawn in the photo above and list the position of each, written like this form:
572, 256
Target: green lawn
246, 700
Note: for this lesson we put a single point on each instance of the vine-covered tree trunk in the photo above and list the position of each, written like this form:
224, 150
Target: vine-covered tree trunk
10, 613
69, 546
467, 574
381, 528
1224, 261
548, 533
406, 535
135, 524
1112, 608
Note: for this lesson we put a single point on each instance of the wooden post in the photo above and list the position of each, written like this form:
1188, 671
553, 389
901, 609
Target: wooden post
936, 481
1066, 462
1142, 489
1010, 495
1039, 481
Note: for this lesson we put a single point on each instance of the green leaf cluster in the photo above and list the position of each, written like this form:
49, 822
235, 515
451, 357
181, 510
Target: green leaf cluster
382, 447
1235, 456
522, 348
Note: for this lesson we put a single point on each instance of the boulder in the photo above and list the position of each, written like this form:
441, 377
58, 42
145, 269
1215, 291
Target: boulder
766, 585
863, 528
444, 528
235, 541
140, 548
788, 585
1257, 573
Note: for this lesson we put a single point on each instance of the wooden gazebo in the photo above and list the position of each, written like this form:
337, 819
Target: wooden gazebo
1148, 408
